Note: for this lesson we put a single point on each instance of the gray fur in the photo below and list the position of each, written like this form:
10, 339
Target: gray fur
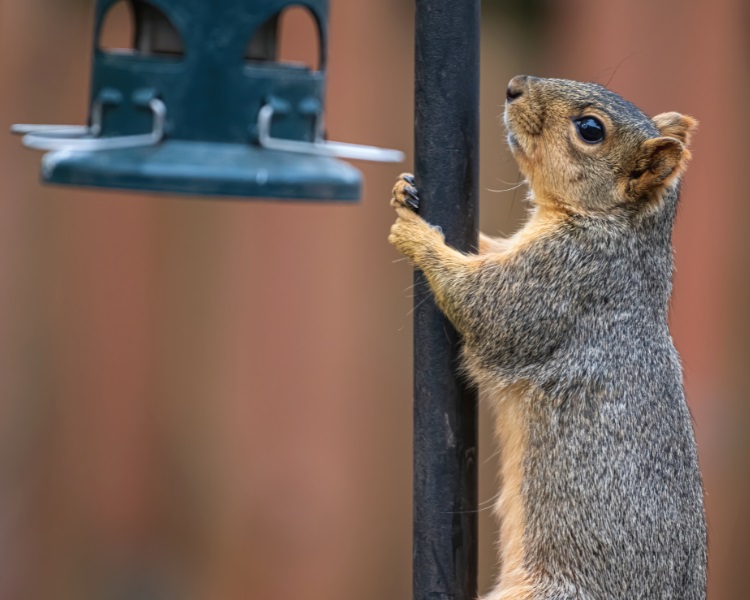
613, 496
612, 493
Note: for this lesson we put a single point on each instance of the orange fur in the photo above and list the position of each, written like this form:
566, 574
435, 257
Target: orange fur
673, 124
510, 427
492, 245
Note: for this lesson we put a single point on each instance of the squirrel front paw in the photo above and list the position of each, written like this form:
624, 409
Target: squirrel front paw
411, 234
405, 193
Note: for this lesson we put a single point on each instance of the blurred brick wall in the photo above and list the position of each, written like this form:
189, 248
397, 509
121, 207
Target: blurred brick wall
211, 394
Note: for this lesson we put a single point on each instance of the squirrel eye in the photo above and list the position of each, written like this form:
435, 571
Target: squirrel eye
590, 129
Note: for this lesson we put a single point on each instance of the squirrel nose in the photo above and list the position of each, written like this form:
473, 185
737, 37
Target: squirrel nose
516, 87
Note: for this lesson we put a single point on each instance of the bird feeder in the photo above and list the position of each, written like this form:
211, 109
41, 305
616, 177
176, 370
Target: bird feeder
202, 105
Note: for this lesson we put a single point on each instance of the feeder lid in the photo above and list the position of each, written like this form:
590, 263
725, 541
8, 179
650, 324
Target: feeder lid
206, 168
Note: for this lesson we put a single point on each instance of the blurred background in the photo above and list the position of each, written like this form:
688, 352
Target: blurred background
207, 399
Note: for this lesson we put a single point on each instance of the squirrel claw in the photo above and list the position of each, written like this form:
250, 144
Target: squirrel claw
412, 198
413, 204
405, 193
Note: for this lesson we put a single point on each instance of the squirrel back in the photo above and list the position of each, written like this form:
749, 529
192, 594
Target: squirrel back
565, 327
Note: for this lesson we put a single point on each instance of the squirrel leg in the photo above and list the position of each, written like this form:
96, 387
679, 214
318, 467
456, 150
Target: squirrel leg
411, 233
456, 279
514, 311
405, 195
449, 272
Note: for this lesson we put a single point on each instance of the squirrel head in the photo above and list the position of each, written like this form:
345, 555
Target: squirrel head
583, 148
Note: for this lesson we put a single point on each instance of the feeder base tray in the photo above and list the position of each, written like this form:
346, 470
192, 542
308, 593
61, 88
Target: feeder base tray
207, 169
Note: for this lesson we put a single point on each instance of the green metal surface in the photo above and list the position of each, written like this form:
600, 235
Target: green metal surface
209, 169
194, 56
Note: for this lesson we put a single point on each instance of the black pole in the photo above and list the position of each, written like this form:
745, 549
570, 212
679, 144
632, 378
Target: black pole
445, 410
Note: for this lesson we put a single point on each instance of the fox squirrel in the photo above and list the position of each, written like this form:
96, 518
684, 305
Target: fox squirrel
565, 326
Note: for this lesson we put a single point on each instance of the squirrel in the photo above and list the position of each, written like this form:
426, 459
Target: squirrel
564, 324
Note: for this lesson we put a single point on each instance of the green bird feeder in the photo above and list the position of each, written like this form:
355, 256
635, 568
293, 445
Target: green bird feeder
201, 105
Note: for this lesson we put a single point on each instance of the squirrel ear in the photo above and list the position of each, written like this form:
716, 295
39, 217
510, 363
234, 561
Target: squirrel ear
661, 160
673, 124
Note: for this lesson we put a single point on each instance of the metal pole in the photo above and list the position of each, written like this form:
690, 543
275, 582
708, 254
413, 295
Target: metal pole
445, 410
